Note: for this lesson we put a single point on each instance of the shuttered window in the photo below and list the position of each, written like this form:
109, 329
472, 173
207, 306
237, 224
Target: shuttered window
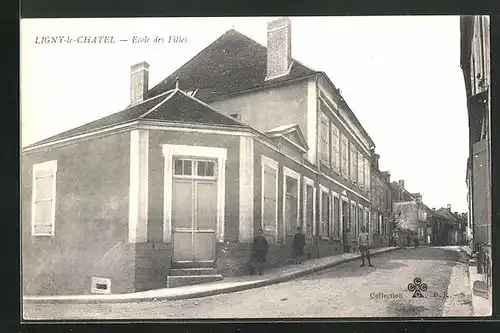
324, 142
344, 156
335, 148
43, 198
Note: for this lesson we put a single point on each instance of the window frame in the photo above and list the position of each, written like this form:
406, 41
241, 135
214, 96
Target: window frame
335, 147
269, 162
44, 166
194, 167
335, 223
321, 232
287, 172
324, 141
305, 183
344, 156
353, 157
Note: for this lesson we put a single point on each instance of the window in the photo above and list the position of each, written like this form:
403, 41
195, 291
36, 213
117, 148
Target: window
290, 201
324, 141
325, 213
360, 219
309, 206
354, 163
380, 225
44, 199
335, 148
367, 175
353, 219
344, 156
186, 167
336, 217
269, 196
361, 170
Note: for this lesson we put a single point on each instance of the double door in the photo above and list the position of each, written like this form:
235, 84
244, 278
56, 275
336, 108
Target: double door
194, 217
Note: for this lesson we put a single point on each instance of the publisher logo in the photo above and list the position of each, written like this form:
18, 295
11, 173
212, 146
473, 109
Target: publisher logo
417, 287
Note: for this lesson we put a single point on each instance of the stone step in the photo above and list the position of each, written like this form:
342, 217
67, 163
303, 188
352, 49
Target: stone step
192, 264
187, 280
193, 271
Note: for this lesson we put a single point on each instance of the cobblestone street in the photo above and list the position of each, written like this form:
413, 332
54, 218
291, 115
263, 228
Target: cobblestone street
347, 290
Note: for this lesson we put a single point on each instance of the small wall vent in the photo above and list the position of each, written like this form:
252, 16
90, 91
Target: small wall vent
101, 285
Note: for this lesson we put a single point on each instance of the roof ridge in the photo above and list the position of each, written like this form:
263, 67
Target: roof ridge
158, 105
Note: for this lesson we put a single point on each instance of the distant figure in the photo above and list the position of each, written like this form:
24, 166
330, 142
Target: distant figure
299, 241
364, 246
408, 239
416, 242
259, 251
347, 241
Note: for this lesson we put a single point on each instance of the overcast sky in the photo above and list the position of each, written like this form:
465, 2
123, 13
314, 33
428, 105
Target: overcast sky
400, 75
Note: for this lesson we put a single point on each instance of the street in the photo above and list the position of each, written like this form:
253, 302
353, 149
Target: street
347, 290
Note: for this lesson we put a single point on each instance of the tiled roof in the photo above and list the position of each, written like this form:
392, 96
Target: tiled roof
231, 64
174, 106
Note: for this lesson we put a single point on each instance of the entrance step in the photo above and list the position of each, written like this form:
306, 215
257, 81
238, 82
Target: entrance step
187, 280
192, 271
192, 264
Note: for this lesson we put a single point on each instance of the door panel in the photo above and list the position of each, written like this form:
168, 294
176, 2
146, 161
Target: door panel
204, 246
290, 214
182, 207
310, 211
206, 205
183, 246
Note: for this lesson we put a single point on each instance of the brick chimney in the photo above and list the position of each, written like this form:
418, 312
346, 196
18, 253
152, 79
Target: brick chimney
401, 184
279, 47
448, 206
139, 79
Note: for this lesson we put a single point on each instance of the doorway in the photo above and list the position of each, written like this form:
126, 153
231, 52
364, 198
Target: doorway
194, 210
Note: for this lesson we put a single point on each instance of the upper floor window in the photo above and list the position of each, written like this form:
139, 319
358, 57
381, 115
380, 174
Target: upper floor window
344, 156
361, 170
335, 148
324, 142
367, 175
44, 198
354, 163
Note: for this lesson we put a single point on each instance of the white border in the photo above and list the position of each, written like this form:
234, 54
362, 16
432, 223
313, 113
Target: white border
138, 186
246, 183
52, 166
266, 161
169, 151
295, 175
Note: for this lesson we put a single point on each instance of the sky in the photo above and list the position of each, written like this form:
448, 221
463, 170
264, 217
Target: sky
400, 75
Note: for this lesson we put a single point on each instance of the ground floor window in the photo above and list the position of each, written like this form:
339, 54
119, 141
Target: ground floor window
336, 217
269, 197
325, 213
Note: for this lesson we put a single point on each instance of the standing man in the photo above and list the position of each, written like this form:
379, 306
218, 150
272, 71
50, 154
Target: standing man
347, 241
364, 241
259, 251
299, 241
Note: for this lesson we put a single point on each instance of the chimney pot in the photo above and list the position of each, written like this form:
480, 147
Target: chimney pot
279, 47
139, 80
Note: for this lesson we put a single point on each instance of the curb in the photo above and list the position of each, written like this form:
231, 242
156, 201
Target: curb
204, 293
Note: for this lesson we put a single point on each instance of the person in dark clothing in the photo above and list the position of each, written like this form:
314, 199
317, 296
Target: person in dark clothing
408, 238
259, 251
299, 241
416, 242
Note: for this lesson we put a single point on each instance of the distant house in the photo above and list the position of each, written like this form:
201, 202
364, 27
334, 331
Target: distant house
410, 214
449, 227
240, 137
381, 204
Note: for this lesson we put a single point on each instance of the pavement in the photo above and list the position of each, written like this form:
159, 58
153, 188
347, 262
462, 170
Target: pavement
343, 291
228, 285
481, 306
